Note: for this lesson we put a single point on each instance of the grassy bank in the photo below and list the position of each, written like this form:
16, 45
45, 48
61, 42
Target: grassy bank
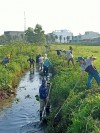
11, 74
80, 108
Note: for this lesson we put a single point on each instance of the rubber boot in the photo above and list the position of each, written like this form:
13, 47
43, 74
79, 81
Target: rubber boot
40, 115
48, 110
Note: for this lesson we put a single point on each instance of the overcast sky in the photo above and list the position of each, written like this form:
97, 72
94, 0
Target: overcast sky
77, 16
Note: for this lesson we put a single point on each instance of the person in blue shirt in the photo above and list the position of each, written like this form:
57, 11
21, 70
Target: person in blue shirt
37, 58
31, 61
46, 66
58, 52
5, 61
43, 94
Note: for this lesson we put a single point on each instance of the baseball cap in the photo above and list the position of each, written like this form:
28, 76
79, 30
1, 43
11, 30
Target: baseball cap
80, 58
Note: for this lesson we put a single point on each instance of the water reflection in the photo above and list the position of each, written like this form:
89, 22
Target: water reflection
31, 75
25, 108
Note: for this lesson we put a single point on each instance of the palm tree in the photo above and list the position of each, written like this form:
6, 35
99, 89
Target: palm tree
60, 38
68, 38
64, 39
56, 37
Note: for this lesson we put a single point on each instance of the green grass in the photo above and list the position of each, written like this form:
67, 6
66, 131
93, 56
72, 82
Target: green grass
76, 115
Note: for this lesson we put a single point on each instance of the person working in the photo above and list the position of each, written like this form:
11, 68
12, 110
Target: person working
41, 60
58, 52
69, 56
43, 94
31, 61
5, 61
87, 66
37, 59
46, 66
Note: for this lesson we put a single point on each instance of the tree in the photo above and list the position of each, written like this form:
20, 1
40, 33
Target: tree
68, 39
48, 39
60, 38
64, 39
56, 37
29, 35
39, 35
2, 39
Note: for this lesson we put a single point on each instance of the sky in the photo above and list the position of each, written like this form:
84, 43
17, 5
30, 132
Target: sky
76, 16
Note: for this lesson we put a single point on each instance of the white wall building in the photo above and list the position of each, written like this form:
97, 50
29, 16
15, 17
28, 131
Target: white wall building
63, 36
90, 35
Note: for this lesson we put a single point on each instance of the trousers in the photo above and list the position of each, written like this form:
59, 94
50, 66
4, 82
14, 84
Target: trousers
96, 76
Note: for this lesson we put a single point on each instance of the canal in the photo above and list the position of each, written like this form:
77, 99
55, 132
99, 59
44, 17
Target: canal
22, 114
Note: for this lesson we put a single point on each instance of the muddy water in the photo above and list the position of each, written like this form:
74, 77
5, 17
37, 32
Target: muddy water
22, 116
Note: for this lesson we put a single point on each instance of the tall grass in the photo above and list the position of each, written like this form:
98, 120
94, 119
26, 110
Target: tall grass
80, 113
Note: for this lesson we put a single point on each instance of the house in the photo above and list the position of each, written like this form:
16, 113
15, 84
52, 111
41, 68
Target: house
14, 35
76, 38
90, 35
62, 36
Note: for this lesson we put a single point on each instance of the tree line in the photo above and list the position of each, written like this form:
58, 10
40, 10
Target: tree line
36, 35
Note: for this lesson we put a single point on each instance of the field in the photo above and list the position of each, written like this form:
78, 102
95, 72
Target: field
76, 107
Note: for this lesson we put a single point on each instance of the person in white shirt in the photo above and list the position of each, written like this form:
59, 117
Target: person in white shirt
87, 66
45, 57
70, 56
41, 61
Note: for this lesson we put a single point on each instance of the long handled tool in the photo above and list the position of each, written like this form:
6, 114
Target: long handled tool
65, 101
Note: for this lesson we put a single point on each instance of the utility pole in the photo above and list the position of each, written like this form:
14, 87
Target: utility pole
24, 26
24, 22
